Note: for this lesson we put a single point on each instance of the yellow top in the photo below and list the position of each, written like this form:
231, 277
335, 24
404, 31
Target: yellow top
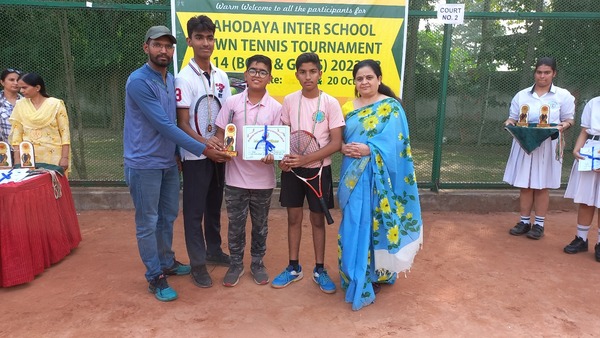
47, 128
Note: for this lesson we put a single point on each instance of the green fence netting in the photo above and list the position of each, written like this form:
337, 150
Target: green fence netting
85, 54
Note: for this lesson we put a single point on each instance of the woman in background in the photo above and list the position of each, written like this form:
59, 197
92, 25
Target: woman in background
381, 229
584, 186
41, 120
540, 170
8, 98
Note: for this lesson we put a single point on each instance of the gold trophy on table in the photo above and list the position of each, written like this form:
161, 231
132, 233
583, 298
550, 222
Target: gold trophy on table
27, 155
5, 156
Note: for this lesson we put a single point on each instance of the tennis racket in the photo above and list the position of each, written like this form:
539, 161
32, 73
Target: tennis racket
206, 107
302, 143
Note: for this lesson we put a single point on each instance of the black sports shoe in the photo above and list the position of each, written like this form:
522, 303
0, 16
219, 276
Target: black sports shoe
376, 288
178, 269
161, 289
520, 229
597, 252
536, 232
221, 259
577, 245
200, 277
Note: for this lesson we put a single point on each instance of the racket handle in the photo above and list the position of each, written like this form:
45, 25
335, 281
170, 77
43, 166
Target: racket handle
326, 211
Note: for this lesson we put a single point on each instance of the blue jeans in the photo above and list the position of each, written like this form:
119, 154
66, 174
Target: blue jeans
155, 195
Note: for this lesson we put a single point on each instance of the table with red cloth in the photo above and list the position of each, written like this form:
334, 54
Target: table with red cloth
36, 229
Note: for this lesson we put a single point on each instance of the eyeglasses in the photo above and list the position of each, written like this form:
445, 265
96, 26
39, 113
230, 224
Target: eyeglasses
160, 46
367, 78
258, 72
12, 70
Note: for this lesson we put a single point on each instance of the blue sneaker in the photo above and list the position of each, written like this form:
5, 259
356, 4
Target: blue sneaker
161, 289
178, 269
322, 279
288, 276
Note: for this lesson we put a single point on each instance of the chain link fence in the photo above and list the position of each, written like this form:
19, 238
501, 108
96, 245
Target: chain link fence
86, 54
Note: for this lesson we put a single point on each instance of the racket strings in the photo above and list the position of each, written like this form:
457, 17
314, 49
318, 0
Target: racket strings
302, 143
206, 107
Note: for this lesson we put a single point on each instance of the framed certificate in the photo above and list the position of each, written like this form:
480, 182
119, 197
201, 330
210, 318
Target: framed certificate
262, 140
591, 159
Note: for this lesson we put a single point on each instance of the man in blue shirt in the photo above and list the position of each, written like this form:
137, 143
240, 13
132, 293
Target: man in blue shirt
150, 138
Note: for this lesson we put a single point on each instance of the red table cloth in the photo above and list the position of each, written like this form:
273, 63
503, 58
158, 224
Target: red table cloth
36, 229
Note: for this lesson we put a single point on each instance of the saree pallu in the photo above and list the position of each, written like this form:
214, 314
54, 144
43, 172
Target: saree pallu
381, 228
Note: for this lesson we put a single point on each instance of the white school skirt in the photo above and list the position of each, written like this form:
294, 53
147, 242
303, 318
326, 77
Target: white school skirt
538, 170
584, 186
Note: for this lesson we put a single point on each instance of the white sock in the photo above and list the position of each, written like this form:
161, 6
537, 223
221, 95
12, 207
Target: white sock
582, 231
539, 220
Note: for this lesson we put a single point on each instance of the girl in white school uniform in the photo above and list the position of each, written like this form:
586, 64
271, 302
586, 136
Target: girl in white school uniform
540, 170
584, 186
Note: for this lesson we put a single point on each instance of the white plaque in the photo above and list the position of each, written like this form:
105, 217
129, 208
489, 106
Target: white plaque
262, 140
5, 156
451, 13
27, 155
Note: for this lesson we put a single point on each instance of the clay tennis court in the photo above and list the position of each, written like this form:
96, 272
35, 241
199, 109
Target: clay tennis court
472, 279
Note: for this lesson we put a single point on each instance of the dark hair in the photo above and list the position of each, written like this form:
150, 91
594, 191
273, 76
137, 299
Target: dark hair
259, 59
546, 61
8, 71
382, 89
308, 58
34, 79
200, 23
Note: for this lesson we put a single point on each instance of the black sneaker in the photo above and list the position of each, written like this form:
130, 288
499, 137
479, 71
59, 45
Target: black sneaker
219, 259
597, 252
200, 277
161, 289
536, 232
520, 229
259, 272
577, 245
233, 274
178, 269
376, 288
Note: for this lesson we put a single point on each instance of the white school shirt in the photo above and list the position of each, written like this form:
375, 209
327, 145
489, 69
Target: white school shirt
561, 102
190, 85
590, 118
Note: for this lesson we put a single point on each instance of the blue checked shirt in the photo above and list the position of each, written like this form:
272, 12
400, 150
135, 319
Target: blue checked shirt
5, 110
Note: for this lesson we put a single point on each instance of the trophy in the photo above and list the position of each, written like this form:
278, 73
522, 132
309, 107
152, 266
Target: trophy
544, 112
523, 116
5, 156
229, 144
27, 155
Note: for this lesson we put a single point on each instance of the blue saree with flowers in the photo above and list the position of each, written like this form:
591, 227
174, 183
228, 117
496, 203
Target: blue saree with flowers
381, 228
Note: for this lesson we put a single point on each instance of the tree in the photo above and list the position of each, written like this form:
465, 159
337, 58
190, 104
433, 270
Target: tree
410, 66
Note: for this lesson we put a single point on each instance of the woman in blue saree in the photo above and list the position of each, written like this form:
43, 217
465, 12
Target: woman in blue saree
381, 228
